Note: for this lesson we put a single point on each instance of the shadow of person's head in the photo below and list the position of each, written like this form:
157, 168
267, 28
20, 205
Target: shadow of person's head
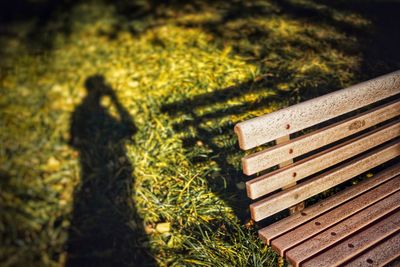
96, 86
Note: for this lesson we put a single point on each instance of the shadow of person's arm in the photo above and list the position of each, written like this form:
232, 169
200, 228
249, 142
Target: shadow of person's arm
126, 119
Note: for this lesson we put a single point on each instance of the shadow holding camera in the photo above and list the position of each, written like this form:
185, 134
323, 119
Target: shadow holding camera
105, 227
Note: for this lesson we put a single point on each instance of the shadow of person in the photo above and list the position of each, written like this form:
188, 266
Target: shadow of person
105, 228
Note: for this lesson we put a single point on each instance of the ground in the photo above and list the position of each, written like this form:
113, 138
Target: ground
116, 118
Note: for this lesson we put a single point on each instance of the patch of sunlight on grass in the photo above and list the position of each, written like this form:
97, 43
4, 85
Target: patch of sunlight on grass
315, 64
283, 27
200, 17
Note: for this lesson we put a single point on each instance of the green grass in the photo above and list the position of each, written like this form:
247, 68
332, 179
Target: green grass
185, 74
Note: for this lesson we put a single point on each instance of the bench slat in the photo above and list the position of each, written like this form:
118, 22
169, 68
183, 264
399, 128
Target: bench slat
342, 230
260, 130
380, 255
275, 180
348, 249
320, 183
285, 225
267, 158
305, 231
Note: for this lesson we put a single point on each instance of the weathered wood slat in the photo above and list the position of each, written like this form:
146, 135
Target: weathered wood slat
342, 230
380, 255
349, 248
320, 183
275, 180
260, 130
285, 225
332, 217
296, 147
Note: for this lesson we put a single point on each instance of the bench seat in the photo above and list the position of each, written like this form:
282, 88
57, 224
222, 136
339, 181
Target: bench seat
314, 147
358, 218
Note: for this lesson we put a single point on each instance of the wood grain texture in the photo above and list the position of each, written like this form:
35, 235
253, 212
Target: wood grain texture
285, 151
320, 183
260, 130
280, 178
342, 230
380, 255
283, 226
332, 217
349, 248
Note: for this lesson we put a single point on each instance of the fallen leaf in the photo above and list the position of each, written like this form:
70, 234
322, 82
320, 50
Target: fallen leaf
163, 227
52, 164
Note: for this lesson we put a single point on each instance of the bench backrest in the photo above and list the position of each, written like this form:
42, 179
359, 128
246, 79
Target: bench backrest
370, 139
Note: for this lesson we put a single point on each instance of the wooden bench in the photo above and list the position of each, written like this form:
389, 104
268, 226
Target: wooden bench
348, 132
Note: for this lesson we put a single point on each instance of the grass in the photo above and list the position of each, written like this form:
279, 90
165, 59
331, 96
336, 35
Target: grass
169, 191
